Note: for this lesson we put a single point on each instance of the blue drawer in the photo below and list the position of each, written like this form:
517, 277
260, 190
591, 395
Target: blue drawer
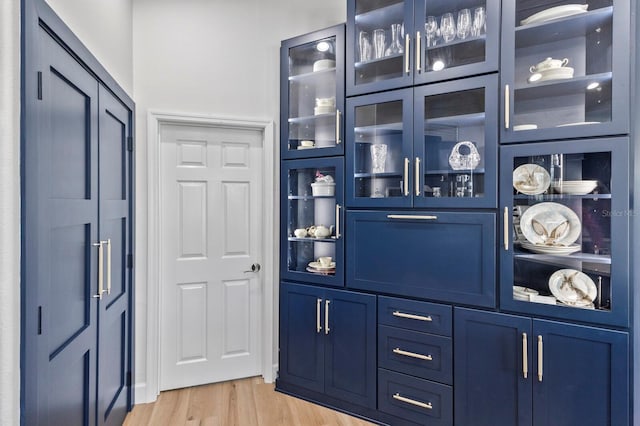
418, 354
413, 315
413, 399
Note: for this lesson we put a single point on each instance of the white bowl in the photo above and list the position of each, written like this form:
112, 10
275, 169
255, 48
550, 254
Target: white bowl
323, 64
323, 189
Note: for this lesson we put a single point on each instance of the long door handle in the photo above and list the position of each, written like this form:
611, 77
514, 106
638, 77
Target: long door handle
540, 356
407, 66
525, 358
318, 322
338, 221
411, 217
507, 106
418, 52
406, 177
326, 316
338, 140
417, 173
100, 270
108, 243
505, 230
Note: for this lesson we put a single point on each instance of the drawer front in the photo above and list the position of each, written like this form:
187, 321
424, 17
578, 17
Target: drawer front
441, 256
418, 354
413, 399
413, 315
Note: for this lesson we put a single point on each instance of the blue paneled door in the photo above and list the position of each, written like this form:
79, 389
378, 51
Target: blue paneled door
76, 286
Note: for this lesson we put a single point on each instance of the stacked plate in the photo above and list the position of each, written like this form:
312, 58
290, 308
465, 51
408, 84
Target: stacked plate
575, 187
317, 268
523, 293
555, 13
557, 250
559, 73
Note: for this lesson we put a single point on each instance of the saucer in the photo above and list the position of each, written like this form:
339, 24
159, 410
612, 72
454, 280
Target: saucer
317, 266
560, 73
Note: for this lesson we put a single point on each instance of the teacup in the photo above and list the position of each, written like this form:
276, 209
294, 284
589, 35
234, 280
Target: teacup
321, 231
300, 233
306, 143
325, 261
548, 64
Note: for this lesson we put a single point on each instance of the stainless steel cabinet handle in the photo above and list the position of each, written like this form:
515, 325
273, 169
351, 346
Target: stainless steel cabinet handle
407, 67
406, 177
507, 106
418, 192
338, 221
505, 229
108, 242
318, 323
326, 316
413, 354
412, 316
426, 405
525, 359
338, 141
418, 53
540, 355
100, 270
411, 217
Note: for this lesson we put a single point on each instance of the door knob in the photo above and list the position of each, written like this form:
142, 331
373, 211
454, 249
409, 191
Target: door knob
254, 268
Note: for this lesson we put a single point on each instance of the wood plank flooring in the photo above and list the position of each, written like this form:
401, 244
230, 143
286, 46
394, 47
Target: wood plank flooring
246, 402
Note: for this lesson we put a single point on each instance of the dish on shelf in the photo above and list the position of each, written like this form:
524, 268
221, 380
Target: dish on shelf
575, 187
531, 179
519, 127
305, 147
321, 272
555, 250
318, 266
555, 13
323, 110
573, 287
578, 123
550, 224
523, 293
560, 73
323, 64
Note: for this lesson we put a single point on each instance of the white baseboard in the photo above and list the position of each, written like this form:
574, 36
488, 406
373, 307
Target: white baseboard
142, 394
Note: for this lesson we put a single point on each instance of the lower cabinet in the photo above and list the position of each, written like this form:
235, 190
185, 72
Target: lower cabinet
328, 342
512, 370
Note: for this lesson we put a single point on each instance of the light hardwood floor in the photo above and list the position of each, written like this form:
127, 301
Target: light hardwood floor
246, 402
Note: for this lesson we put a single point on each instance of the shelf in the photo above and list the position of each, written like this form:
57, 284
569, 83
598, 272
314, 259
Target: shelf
378, 129
553, 197
562, 28
552, 88
464, 120
481, 38
306, 77
393, 13
454, 172
312, 240
309, 197
376, 175
588, 263
378, 61
311, 118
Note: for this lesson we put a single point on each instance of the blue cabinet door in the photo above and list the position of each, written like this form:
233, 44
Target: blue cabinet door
350, 347
441, 256
490, 357
302, 336
582, 375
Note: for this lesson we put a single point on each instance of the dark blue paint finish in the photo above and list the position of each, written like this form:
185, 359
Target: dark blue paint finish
438, 319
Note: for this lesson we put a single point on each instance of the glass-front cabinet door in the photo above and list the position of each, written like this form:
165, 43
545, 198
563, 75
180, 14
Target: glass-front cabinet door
311, 240
566, 229
456, 38
379, 149
312, 94
565, 69
456, 143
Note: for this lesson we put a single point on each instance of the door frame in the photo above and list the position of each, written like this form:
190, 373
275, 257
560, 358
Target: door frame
155, 119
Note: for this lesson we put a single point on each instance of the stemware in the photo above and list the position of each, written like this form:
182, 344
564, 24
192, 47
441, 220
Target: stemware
447, 27
464, 23
479, 26
431, 31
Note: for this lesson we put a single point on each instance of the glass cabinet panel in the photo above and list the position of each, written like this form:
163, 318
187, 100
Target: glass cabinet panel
456, 160
313, 88
567, 210
311, 232
565, 68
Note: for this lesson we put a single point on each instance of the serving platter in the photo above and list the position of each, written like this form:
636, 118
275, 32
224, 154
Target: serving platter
555, 13
531, 179
575, 187
573, 287
550, 224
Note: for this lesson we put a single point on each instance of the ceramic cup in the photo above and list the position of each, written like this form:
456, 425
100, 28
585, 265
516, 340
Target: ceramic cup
300, 233
325, 261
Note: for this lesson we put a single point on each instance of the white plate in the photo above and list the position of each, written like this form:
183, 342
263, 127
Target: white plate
561, 73
573, 287
552, 250
321, 272
551, 217
531, 179
575, 187
305, 147
519, 127
555, 13
323, 64
578, 123
523, 291
319, 267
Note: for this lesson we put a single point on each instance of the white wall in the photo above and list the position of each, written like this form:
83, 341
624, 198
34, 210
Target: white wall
105, 28
212, 57
9, 213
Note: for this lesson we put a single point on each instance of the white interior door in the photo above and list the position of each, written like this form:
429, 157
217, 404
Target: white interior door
211, 209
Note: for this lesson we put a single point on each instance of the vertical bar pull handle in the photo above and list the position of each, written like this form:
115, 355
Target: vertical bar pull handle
338, 141
407, 66
417, 173
507, 106
505, 230
318, 323
525, 358
418, 53
406, 177
326, 316
540, 360
108, 242
338, 221
100, 270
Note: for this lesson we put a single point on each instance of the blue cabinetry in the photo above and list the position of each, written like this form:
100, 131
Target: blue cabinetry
512, 370
328, 342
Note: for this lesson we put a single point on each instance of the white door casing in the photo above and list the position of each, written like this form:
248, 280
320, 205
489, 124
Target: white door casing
236, 355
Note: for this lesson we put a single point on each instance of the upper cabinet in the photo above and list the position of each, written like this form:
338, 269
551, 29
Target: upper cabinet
395, 44
565, 69
312, 94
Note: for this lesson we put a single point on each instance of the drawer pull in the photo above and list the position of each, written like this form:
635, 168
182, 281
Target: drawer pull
412, 354
411, 316
420, 404
411, 217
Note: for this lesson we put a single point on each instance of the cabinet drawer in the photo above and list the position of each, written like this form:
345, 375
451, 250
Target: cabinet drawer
419, 354
413, 315
413, 399
441, 256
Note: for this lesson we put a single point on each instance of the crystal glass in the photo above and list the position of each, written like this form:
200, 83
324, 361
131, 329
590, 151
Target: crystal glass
395, 48
447, 27
378, 157
464, 23
364, 43
378, 43
479, 26
431, 30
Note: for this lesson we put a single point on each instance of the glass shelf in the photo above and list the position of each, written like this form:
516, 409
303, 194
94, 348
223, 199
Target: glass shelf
373, 17
561, 87
471, 39
327, 73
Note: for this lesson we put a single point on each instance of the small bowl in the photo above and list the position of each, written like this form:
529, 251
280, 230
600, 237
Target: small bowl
323, 64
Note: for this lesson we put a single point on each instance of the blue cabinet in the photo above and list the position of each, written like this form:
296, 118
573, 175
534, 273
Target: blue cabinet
328, 342
441, 256
513, 370
566, 231
312, 94
432, 146
565, 71
395, 43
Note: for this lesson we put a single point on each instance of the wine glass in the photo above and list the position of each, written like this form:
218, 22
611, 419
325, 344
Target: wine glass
479, 26
464, 23
431, 30
447, 27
